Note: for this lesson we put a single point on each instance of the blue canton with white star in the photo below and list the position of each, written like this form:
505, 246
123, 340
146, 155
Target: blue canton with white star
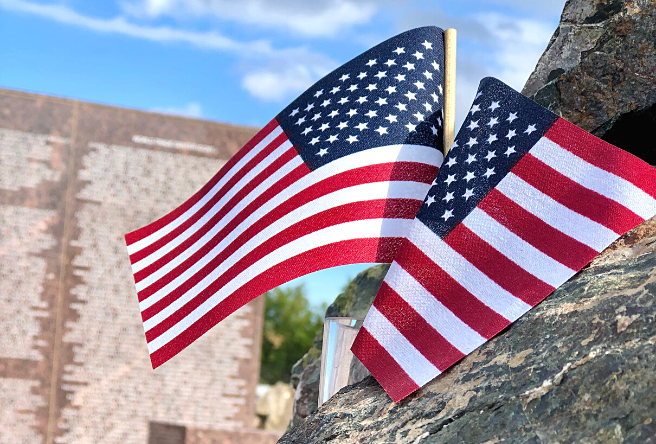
500, 128
391, 94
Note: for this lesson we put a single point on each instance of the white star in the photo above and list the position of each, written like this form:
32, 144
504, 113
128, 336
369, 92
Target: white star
449, 197
493, 121
344, 77
401, 106
362, 99
342, 125
410, 127
306, 130
451, 162
352, 139
439, 122
434, 130
469, 192
371, 113
494, 106
490, 155
381, 74
478, 94
322, 152
314, 141
472, 141
318, 93
381, 130
390, 89
409, 66
317, 116
371, 86
390, 62
332, 138
439, 88
326, 102
435, 97
399, 50
352, 87
511, 117
333, 113
419, 116
428, 107
309, 106
301, 120
391, 118
410, 95
511, 134
352, 113
430, 200
381, 101
324, 127
473, 125
470, 158
436, 66
427, 44
450, 178
362, 126
400, 77
510, 150
418, 55
447, 215
362, 75
294, 113
335, 90
492, 138
419, 85
343, 100
474, 109
371, 62
428, 75
489, 172
530, 129
470, 175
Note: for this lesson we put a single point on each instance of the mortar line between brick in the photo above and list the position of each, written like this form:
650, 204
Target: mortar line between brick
59, 326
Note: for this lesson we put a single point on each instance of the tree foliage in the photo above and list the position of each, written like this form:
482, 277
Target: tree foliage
289, 328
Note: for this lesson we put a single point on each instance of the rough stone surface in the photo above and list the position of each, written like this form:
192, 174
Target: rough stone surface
599, 72
578, 368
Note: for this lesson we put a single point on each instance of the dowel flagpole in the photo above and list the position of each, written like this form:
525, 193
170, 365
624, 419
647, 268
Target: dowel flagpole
449, 124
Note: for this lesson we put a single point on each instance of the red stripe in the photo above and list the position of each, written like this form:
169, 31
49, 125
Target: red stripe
449, 292
332, 255
270, 169
371, 173
382, 366
604, 155
420, 333
346, 213
141, 233
577, 198
507, 274
552, 242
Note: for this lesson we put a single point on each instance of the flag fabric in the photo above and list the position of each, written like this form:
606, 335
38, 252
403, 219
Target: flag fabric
336, 178
523, 201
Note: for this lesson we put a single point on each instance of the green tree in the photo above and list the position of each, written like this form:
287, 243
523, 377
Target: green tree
289, 328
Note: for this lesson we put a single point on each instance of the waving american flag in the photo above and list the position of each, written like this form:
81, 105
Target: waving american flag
523, 201
336, 178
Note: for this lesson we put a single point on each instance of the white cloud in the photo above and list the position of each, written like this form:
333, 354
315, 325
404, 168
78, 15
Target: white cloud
308, 18
191, 109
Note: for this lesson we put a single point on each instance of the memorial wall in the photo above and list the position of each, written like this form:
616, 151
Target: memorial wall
74, 367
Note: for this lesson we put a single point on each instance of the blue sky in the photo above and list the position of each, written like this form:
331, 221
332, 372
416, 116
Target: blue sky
242, 61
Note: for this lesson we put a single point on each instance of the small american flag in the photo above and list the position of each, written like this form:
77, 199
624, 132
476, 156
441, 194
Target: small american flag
523, 201
336, 178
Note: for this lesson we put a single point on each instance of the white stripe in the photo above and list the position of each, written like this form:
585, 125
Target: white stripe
157, 235
594, 178
361, 159
517, 249
361, 229
359, 193
471, 278
584, 230
261, 188
459, 334
418, 368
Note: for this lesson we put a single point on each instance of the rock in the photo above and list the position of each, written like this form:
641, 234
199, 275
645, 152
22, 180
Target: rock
578, 368
354, 302
599, 72
275, 406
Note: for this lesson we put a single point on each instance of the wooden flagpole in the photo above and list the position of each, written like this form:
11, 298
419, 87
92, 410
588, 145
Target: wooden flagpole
449, 124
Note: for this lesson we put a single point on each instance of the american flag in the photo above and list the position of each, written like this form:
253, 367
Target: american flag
336, 178
523, 201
